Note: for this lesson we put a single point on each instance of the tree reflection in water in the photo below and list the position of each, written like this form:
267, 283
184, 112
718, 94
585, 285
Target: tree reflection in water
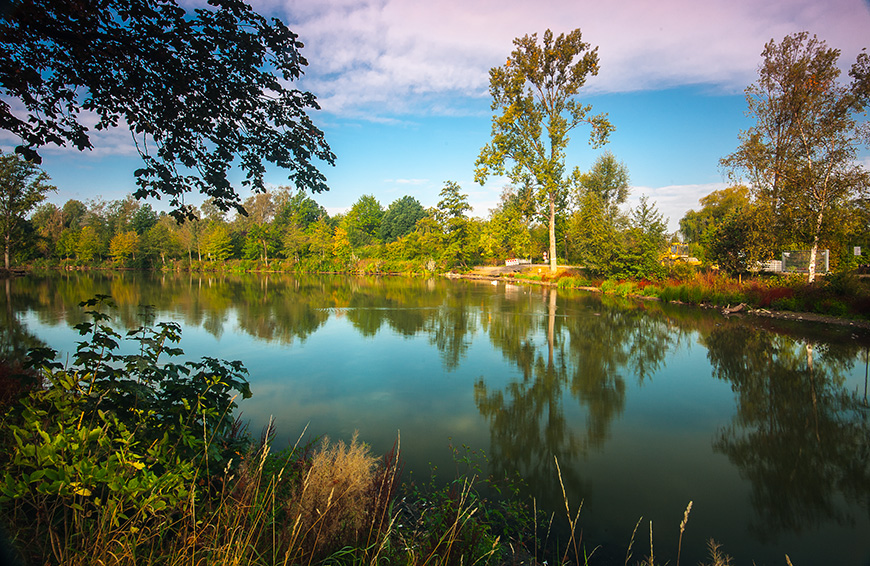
799, 437
589, 354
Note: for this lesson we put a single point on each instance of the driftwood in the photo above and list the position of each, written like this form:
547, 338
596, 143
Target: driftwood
731, 310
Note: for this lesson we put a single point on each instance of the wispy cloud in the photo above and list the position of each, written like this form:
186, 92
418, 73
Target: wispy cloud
378, 57
673, 201
114, 141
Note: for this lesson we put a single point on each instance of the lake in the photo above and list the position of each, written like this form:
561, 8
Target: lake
763, 424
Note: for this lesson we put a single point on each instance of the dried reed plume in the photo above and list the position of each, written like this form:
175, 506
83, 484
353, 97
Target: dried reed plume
683, 528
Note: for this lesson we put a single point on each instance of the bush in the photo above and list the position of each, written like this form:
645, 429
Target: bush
108, 448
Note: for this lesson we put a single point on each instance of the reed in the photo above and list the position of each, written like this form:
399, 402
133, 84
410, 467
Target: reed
717, 557
683, 528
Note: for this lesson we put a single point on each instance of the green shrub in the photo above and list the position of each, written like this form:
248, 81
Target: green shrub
786, 304
625, 288
651, 291
572, 282
108, 449
832, 307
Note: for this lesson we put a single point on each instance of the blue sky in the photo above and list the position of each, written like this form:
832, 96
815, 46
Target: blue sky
403, 86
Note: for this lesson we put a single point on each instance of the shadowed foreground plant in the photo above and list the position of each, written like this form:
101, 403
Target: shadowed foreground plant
106, 453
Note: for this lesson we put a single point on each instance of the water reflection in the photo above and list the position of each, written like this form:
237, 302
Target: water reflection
799, 437
539, 373
15, 338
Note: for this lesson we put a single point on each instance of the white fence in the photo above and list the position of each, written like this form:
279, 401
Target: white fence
515, 261
799, 261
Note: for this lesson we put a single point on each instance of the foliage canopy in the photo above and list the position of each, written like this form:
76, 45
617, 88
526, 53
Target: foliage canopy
800, 157
201, 91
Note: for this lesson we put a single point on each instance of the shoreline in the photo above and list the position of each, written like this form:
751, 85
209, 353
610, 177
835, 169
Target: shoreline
497, 274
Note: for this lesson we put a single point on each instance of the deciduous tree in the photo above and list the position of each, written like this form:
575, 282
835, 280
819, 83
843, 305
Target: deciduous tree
800, 157
89, 245
715, 208
363, 221
738, 241
534, 93
202, 92
124, 245
451, 211
22, 186
400, 218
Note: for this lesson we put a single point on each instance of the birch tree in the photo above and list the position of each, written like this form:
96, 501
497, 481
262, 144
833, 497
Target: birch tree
800, 157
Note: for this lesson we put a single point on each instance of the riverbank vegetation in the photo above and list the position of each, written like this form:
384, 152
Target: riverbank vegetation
839, 295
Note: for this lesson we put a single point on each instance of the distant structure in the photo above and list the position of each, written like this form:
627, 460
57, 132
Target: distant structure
798, 261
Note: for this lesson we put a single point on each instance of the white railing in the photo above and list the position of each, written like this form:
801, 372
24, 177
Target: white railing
515, 261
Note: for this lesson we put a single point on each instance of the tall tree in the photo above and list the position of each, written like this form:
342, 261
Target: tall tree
534, 93
201, 92
296, 209
47, 219
363, 221
451, 211
74, 212
801, 154
124, 245
738, 241
22, 186
143, 219
607, 180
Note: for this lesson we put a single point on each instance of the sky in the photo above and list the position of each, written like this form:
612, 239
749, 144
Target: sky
403, 86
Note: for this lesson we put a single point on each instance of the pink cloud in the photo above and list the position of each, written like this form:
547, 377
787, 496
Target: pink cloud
401, 55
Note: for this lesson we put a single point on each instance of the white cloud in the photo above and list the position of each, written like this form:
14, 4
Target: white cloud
673, 201
114, 141
395, 56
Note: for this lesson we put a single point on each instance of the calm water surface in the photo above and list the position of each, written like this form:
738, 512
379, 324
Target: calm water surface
765, 426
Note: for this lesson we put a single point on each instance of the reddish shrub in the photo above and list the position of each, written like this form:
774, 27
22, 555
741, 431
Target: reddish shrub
764, 296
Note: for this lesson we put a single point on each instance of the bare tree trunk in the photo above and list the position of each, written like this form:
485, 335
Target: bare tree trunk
811, 269
552, 232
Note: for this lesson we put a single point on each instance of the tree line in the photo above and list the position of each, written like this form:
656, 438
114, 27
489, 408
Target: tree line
288, 230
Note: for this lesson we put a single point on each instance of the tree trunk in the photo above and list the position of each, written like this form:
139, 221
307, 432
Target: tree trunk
811, 269
552, 199
6, 253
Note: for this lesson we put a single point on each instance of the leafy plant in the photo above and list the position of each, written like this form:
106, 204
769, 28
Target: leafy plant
111, 445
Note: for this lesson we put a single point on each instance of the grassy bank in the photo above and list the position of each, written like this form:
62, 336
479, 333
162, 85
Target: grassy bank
840, 295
